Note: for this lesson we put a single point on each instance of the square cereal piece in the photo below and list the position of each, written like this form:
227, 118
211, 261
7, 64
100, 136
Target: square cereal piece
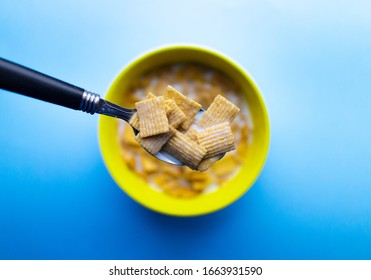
200, 186
172, 170
174, 114
195, 176
134, 120
206, 163
225, 166
189, 107
220, 111
185, 150
160, 179
148, 164
153, 144
191, 133
178, 190
216, 139
152, 116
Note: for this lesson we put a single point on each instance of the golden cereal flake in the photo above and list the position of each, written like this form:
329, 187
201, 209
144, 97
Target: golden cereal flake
195, 176
171, 170
175, 189
160, 87
148, 165
126, 154
128, 136
161, 179
241, 152
131, 162
201, 185
186, 192
225, 166
152, 116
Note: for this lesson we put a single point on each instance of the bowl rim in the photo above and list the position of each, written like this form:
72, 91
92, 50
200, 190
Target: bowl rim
245, 74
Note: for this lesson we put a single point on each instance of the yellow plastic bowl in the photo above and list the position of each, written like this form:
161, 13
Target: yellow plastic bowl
136, 187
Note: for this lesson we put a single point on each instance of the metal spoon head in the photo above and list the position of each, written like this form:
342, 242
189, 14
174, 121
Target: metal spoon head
166, 157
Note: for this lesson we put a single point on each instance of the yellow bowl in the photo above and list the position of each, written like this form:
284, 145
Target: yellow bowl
136, 187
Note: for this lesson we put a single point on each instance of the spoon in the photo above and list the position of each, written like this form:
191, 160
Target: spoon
28, 82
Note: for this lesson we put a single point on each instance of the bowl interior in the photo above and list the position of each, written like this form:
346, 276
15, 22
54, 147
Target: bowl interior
137, 188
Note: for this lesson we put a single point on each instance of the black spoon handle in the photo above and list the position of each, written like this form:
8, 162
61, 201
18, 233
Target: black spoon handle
22, 80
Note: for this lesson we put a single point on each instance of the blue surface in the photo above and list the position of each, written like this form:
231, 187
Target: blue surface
312, 61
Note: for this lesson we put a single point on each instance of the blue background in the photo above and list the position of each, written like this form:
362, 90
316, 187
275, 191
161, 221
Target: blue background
312, 62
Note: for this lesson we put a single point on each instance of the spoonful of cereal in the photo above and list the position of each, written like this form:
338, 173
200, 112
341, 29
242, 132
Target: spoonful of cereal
173, 128
178, 126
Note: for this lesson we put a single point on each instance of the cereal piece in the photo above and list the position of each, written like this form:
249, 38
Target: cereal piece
185, 192
180, 73
222, 180
153, 144
241, 152
222, 81
169, 186
206, 163
144, 81
174, 189
220, 111
125, 154
185, 87
148, 165
216, 139
214, 91
166, 74
193, 72
199, 87
189, 107
172, 170
200, 185
204, 98
174, 114
128, 137
194, 176
131, 163
134, 120
185, 150
181, 130
130, 100
160, 86
150, 95
245, 131
225, 166
161, 179
191, 133
152, 116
